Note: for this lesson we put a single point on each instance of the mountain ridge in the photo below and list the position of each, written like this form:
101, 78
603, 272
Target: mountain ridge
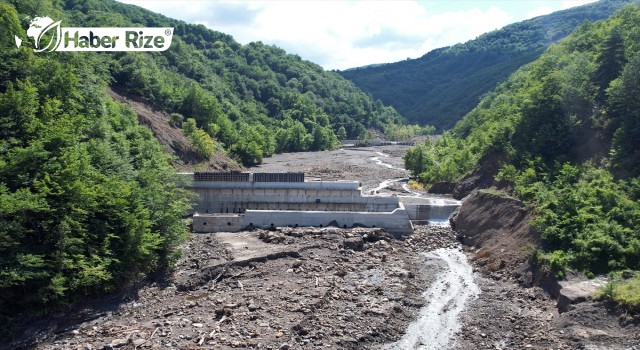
444, 84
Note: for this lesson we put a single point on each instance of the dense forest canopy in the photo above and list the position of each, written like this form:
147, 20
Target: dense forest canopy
442, 86
564, 132
88, 201
253, 100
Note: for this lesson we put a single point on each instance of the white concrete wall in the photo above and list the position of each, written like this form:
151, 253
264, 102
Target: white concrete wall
233, 199
232, 206
396, 221
218, 223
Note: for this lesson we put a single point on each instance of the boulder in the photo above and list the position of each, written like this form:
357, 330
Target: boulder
575, 292
353, 243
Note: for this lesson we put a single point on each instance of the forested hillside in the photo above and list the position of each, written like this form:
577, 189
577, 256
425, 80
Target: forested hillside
87, 196
564, 132
252, 100
442, 86
88, 201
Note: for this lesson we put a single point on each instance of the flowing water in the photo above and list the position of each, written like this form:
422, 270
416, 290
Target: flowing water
440, 208
454, 287
437, 323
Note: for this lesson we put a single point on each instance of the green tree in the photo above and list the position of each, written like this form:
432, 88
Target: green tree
624, 100
610, 61
200, 140
342, 133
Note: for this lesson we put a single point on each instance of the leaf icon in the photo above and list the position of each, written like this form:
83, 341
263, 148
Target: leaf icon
40, 26
18, 41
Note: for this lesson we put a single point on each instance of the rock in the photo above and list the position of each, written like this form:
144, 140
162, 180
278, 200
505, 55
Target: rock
442, 187
119, 342
355, 244
198, 325
575, 292
139, 342
285, 346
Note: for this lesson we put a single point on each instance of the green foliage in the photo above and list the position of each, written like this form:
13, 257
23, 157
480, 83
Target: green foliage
585, 214
445, 84
561, 146
396, 132
175, 119
624, 97
88, 201
223, 85
200, 140
623, 292
444, 160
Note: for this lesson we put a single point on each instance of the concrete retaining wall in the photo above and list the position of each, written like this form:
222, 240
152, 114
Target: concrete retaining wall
427, 212
396, 221
238, 197
234, 205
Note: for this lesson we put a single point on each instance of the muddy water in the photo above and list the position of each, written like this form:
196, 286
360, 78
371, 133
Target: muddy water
437, 322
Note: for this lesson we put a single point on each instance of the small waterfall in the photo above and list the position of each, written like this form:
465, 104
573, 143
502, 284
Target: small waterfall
436, 211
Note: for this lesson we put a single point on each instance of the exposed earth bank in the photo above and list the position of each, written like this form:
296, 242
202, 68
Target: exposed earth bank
519, 307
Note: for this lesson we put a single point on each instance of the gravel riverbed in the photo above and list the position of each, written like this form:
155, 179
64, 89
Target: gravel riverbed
331, 288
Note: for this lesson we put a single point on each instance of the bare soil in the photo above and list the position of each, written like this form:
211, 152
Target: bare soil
331, 288
291, 288
342, 164
171, 137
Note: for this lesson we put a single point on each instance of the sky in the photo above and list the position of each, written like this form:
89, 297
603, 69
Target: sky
347, 34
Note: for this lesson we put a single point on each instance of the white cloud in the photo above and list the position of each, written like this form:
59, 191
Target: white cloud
573, 3
338, 34
545, 10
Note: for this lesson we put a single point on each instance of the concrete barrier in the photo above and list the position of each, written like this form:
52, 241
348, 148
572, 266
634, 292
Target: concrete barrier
395, 222
233, 205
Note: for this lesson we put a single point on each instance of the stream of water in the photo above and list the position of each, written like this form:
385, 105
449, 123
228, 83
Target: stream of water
437, 322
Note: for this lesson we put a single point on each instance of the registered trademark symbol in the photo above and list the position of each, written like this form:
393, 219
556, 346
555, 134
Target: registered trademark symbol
167, 32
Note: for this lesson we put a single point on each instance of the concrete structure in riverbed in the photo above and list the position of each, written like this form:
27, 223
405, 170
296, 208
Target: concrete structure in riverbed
233, 201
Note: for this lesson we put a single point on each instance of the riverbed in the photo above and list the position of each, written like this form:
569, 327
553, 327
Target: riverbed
381, 172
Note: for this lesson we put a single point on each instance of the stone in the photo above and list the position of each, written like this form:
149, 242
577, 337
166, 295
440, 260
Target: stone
139, 342
354, 243
198, 325
285, 346
575, 292
119, 342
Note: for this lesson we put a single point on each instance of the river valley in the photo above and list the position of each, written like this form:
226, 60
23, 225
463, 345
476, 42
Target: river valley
331, 288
